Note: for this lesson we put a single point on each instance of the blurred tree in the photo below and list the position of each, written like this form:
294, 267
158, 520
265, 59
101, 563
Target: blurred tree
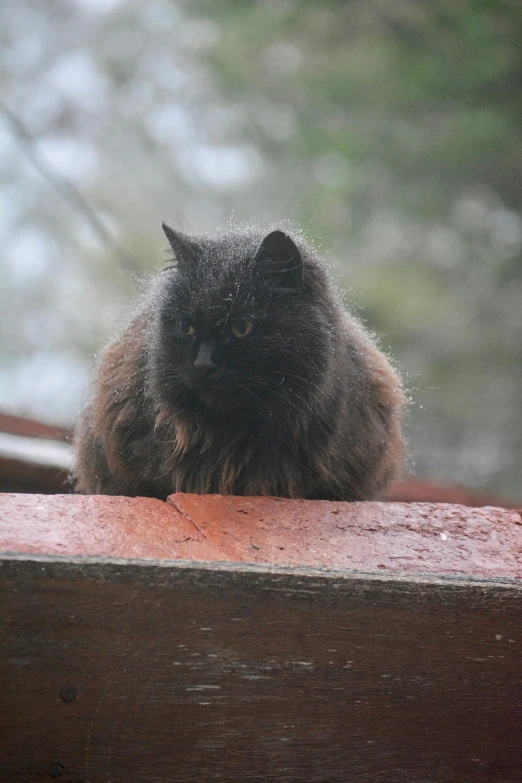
390, 129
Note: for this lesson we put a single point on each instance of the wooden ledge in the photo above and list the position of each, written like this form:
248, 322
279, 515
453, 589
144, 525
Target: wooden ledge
338, 643
402, 537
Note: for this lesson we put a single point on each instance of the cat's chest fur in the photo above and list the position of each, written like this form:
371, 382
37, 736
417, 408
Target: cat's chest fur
235, 454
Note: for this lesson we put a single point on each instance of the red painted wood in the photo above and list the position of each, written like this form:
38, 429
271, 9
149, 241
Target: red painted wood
387, 537
157, 669
30, 428
418, 490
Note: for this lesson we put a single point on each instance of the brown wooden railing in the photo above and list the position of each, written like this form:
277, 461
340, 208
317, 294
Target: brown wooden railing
259, 639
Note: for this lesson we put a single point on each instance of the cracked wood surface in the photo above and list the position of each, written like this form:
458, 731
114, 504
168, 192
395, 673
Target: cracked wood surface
414, 537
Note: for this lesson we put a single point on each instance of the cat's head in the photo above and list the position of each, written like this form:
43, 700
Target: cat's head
242, 321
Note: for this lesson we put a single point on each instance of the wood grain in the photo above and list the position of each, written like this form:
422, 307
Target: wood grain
184, 672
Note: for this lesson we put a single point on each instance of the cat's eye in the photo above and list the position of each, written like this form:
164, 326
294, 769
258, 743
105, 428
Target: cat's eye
241, 328
186, 327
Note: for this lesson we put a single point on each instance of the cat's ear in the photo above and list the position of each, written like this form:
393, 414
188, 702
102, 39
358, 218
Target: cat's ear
280, 258
184, 249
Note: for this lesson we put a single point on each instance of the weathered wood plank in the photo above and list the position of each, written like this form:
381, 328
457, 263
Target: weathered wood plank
418, 538
190, 672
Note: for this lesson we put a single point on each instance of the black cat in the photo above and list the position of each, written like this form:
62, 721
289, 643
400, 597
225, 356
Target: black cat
242, 374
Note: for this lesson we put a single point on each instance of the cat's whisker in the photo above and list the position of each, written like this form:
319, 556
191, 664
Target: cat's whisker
280, 392
245, 388
293, 391
306, 381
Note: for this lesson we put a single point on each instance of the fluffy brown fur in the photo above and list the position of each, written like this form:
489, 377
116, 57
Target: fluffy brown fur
304, 405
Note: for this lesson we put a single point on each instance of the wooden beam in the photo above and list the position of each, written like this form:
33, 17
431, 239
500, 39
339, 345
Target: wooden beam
162, 671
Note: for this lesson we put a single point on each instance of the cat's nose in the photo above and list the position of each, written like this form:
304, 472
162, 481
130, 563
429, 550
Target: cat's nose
204, 362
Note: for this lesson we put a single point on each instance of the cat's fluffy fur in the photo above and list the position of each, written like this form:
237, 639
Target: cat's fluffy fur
304, 405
